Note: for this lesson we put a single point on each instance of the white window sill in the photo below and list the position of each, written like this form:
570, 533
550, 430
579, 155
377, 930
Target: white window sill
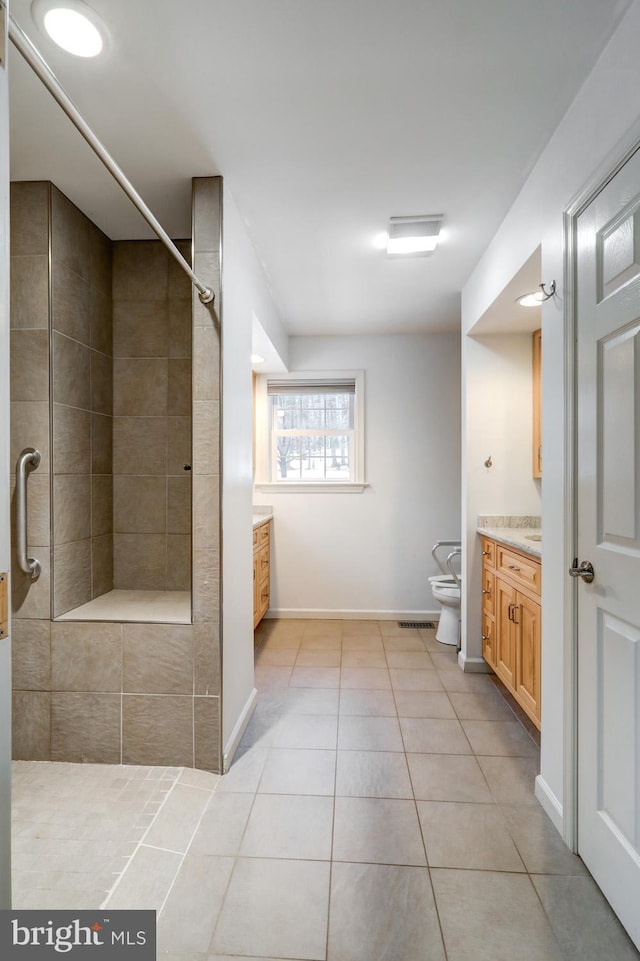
292, 487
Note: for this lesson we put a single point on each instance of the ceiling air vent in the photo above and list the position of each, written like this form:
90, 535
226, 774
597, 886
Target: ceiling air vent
416, 235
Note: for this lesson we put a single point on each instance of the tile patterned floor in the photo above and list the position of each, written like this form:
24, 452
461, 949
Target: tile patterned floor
380, 808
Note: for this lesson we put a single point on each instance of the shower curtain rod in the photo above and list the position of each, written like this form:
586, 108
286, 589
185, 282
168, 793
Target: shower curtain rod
37, 63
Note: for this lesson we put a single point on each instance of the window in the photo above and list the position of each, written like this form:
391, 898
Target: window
314, 432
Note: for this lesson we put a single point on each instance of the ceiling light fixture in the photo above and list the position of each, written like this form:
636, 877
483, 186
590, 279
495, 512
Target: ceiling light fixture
413, 235
72, 25
257, 359
537, 297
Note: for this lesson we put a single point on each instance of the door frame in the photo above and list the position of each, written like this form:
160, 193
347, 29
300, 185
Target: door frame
604, 173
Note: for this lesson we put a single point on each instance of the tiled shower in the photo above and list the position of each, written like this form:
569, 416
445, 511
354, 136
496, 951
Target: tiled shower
115, 380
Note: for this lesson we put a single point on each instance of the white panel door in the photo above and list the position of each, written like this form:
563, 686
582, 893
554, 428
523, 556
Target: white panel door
608, 331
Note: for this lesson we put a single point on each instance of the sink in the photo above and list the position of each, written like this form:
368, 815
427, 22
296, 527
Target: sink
533, 537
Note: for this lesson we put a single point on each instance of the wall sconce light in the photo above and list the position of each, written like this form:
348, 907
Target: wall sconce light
537, 297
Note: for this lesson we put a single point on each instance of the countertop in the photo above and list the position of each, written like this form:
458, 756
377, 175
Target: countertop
260, 519
518, 537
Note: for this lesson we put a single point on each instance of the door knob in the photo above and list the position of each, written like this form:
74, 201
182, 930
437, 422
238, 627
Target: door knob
584, 570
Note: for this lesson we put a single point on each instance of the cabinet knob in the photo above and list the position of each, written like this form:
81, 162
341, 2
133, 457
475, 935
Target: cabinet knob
486, 591
512, 567
486, 553
485, 637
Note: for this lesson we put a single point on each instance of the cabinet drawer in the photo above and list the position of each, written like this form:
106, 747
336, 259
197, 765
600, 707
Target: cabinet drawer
261, 536
518, 568
488, 592
488, 552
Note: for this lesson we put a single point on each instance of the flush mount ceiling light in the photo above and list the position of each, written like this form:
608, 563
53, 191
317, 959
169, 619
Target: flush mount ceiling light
537, 297
257, 359
413, 235
72, 25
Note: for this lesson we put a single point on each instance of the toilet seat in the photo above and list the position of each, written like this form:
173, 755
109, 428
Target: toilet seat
446, 593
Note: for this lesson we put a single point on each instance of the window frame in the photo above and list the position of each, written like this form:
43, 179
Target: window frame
265, 480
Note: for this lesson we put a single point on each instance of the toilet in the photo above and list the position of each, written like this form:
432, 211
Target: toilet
446, 590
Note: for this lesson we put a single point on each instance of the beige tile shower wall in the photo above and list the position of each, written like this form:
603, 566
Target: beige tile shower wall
152, 418
81, 339
207, 216
138, 693
29, 345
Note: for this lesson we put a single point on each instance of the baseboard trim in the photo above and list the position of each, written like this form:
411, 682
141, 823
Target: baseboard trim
550, 803
330, 615
473, 665
240, 726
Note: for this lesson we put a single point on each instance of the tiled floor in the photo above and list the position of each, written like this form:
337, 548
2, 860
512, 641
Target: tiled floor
380, 808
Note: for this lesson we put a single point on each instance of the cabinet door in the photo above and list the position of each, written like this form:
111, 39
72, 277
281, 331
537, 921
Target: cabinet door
263, 579
505, 632
527, 677
256, 591
489, 639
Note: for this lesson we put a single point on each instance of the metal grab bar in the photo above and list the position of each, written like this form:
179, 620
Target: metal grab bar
28, 460
41, 68
454, 553
435, 549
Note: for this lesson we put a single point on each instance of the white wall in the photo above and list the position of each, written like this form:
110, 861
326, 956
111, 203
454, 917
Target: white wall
370, 553
244, 294
497, 419
5, 644
594, 128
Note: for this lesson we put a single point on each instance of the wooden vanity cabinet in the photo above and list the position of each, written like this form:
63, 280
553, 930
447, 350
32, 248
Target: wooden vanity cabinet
261, 564
488, 602
511, 622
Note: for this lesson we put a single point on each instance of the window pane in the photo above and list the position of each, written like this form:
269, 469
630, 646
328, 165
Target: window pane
337, 418
313, 411
288, 457
314, 458
337, 459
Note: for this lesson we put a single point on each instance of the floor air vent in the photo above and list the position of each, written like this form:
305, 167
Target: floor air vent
426, 625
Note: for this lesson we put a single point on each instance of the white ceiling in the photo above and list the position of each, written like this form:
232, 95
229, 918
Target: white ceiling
326, 118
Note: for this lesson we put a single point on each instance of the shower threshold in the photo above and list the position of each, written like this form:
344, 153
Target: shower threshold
150, 607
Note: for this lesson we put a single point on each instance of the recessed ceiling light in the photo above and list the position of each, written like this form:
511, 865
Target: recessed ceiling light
72, 25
